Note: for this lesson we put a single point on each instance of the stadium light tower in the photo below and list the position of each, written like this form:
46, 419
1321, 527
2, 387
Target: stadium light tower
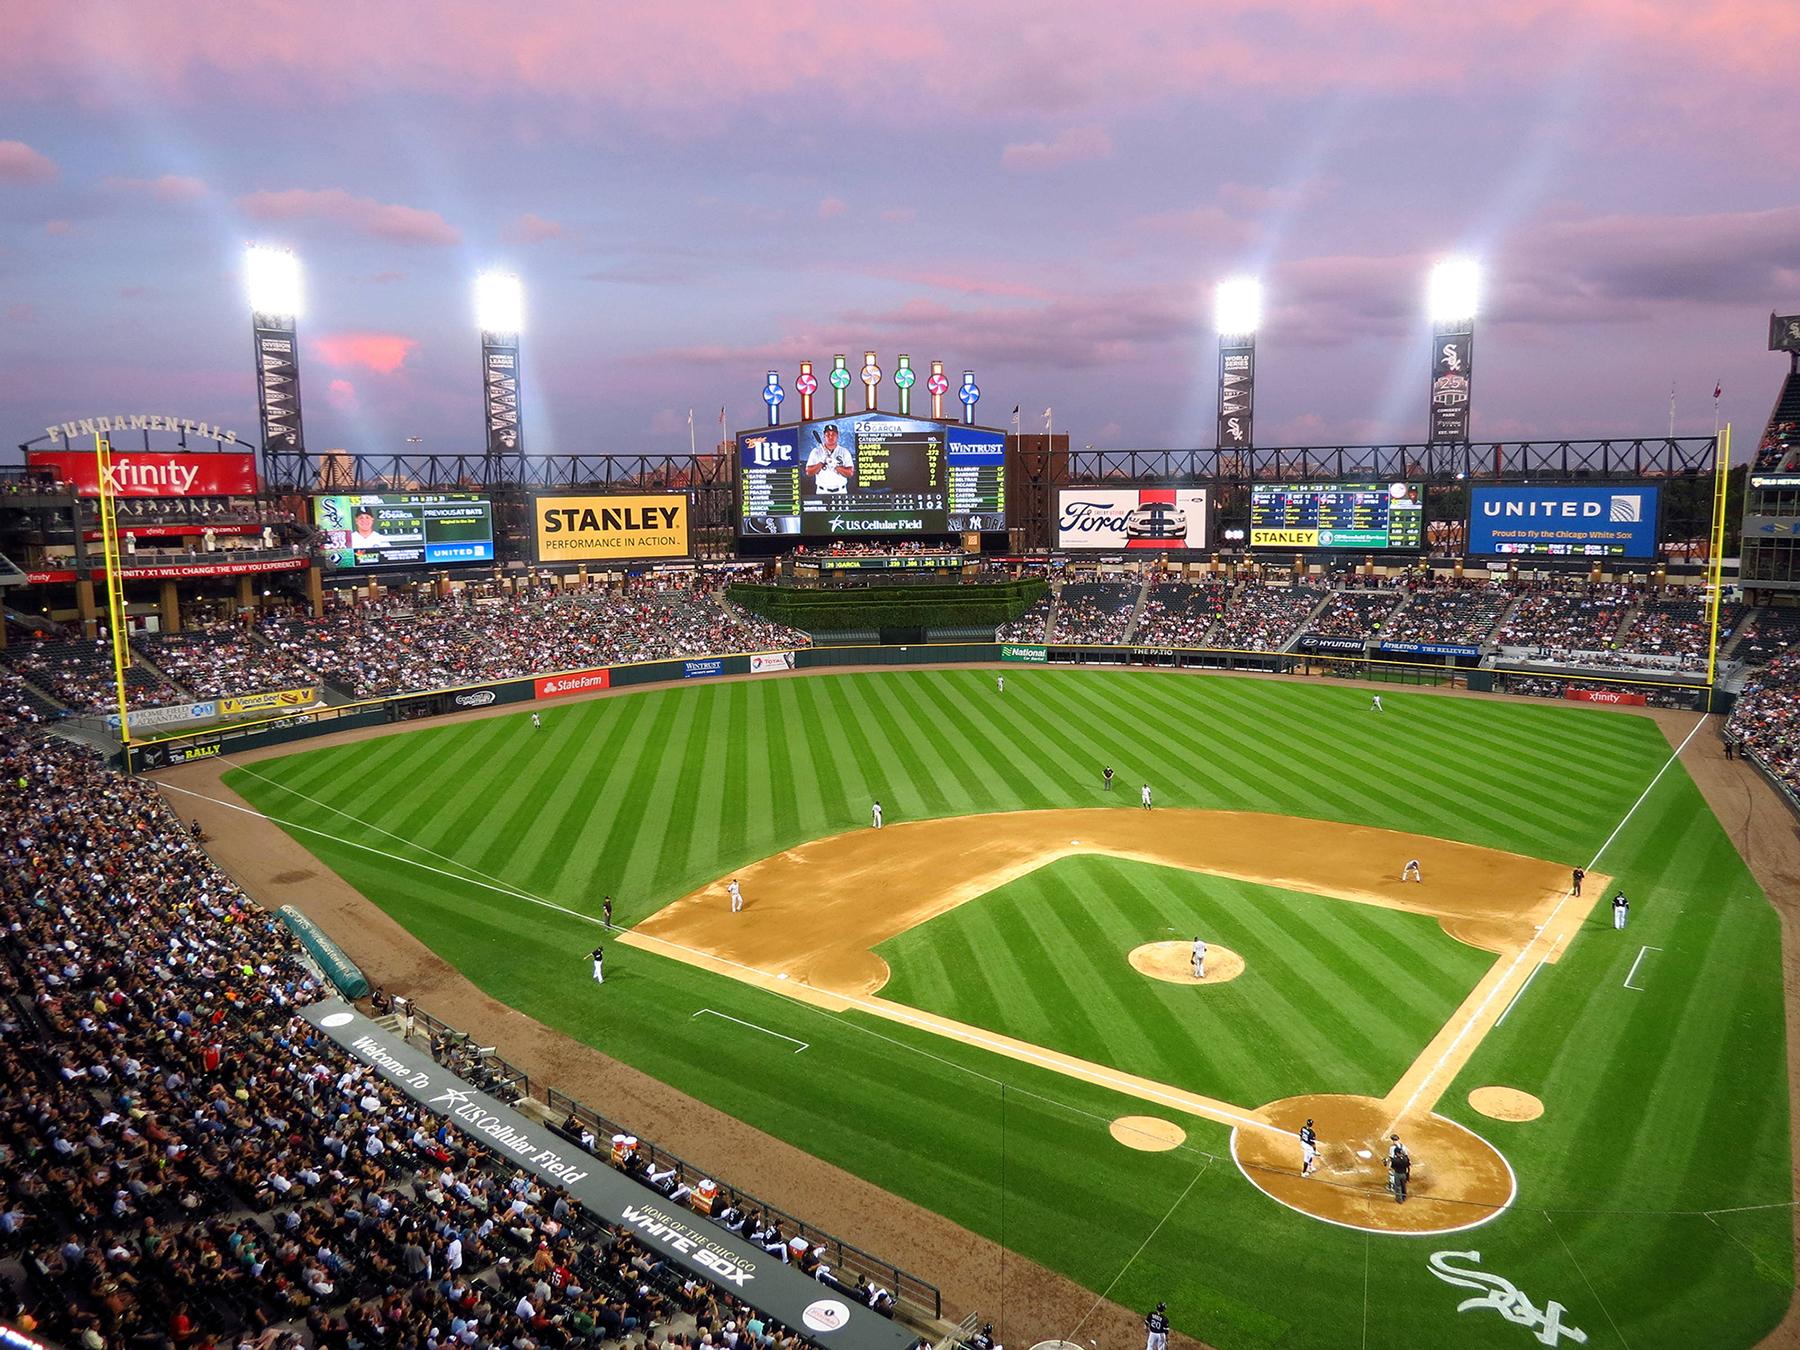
500, 314
1237, 313
1452, 299
272, 283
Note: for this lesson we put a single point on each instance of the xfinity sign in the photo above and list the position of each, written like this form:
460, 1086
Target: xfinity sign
1581, 521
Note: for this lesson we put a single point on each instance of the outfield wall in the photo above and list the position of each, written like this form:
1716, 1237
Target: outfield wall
1452, 670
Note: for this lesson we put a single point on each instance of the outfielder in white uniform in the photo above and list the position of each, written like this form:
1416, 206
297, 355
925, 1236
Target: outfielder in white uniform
1000, 684
1144, 796
737, 896
877, 814
1375, 704
1199, 959
1411, 872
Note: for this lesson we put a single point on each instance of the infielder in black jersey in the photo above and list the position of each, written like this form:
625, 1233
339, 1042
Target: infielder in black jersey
1157, 1325
1309, 1148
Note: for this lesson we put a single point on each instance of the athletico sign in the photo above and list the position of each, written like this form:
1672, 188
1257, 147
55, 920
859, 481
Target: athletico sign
137, 473
575, 682
588, 529
686, 1240
1603, 521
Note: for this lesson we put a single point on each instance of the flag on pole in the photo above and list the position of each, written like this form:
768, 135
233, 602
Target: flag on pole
1718, 388
1015, 410
1048, 415
690, 419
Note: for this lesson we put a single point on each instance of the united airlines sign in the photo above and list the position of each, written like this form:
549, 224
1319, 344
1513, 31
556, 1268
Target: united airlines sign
1603, 520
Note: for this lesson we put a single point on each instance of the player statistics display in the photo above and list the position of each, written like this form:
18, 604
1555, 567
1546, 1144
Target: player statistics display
400, 529
1378, 516
869, 474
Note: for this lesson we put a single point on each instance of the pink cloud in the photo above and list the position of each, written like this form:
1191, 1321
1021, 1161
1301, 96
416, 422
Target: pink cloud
21, 311
1209, 224
831, 207
900, 215
341, 394
19, 163
170, 187
383, 278
533, 229
379, 220
379, 353
60, 227
1073, 146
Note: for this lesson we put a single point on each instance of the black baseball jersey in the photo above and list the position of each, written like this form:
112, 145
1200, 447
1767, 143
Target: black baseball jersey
1401, 1162
1157, 1324
1308, 1135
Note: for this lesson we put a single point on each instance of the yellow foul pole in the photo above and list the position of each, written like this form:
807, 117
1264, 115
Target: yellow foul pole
1715, 569
115, 587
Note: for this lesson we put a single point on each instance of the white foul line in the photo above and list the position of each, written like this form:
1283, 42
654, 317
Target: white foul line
1634, 965
1476, 1016
753, 1026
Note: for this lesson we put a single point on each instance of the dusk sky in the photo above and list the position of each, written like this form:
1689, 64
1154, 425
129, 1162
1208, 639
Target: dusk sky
694, 194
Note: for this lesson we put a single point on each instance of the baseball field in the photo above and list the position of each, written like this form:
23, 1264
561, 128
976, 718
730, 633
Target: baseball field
996, 1014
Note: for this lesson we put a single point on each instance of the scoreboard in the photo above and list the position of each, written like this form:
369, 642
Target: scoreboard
871, 474
1383, 516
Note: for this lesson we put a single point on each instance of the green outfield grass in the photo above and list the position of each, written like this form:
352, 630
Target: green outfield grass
1653, 1192
1332, 993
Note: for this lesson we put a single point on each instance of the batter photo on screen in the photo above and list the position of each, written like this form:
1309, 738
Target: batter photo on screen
830, 465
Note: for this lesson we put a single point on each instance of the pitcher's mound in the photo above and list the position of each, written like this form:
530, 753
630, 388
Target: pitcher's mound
1148, 1134
1504, 1103
1173, 961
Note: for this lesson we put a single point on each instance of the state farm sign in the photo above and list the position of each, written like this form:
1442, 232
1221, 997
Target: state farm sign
575, 682
154, 473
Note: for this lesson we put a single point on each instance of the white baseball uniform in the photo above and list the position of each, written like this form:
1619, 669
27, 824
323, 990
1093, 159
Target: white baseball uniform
1199, 959
737, 897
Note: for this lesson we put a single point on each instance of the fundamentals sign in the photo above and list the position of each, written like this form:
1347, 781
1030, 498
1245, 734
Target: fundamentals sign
615, 528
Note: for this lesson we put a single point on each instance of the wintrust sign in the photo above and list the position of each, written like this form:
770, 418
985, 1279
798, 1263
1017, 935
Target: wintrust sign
574, 682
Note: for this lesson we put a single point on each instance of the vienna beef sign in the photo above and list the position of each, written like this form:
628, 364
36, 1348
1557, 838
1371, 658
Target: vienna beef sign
153, 473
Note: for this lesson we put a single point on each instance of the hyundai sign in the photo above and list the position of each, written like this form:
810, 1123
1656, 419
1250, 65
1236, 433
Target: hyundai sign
1609, 520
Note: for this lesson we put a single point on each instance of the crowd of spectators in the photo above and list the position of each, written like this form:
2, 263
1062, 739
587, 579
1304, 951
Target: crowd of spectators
1353, 614
1179, 613
1766, 720
1583, 618
890, 548
186, 1162
1676, 626
78, 673
1264, 618
222, 659
370, 650
1029, 626
1095, 612
1766, 634
1464, 615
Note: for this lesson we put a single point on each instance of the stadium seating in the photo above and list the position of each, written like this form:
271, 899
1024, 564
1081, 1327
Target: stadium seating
1586, 618
1179, 614
1353, 614
1462, 615
1029, 626
1766, 720
78, 673
1766, 634
212, 662
1095, 612
1261, 617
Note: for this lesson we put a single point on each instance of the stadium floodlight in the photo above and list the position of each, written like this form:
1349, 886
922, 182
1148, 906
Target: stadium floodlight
1237, 306
272, 278
499, 303
1455, 290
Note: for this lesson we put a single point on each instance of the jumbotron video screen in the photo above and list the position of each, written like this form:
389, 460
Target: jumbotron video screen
871, 474
1382, 517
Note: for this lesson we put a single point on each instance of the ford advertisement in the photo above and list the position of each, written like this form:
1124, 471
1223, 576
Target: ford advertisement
1606, 520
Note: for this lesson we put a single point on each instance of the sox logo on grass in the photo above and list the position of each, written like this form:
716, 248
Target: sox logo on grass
1505, 1298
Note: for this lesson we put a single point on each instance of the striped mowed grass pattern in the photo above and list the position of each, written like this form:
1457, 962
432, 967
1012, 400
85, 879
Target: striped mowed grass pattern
1334, 997
1660, 1105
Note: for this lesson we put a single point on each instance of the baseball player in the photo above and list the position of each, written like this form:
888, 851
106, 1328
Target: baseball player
1199, 959
606, 911
1621, 910
1144, 796
830, 466
1309, 1148
877, 815
1157, 1325
737, 896
1575, 881
536, 721
1375, 703
599, 958
1000, 683
1411, 872
1106, 776
1399, 1164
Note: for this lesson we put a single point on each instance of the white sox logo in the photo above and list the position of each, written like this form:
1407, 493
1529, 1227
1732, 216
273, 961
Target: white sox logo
1505, 1298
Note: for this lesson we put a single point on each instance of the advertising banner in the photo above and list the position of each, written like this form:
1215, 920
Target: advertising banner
611, 528
1620, 696
1451, 358
273, 700
1384, 516
278, 388
673, 1233
397, 529
1237, 395
1608, 520
465, 699
694, 670
1012, 652
138, 473
763, 663
1313, 642
575, 682
1108, 518
167, 717
176, 571
500, 394
1428, 649
167, 756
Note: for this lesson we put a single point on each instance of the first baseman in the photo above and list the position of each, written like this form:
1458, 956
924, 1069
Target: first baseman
737, 896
